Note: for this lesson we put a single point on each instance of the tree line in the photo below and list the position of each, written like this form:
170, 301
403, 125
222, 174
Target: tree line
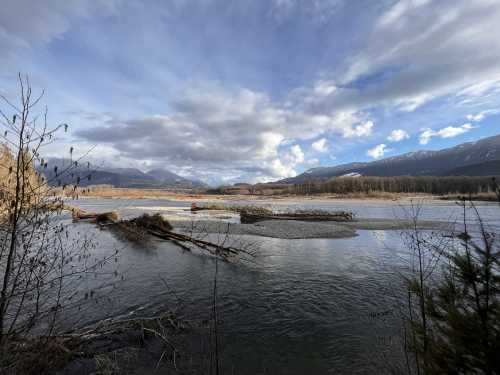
401, 184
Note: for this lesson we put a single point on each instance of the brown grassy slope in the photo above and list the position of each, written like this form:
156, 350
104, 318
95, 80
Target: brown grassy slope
34, 189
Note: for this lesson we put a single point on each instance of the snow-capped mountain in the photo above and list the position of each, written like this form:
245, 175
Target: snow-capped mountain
471, 159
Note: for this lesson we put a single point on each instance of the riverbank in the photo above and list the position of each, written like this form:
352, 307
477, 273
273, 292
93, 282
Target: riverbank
161, 344
200, 195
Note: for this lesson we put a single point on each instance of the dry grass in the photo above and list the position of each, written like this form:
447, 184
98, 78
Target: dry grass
105, 191
47, 355
116, 362
198, 195
8, 179
194, 195
37, 356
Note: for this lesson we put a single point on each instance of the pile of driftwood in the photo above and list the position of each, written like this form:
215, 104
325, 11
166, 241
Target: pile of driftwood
154, 225
251, 217
157, 226
233, 208
100, 217
253, 214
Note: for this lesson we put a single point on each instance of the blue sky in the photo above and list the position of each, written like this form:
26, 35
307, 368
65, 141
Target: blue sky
256, 90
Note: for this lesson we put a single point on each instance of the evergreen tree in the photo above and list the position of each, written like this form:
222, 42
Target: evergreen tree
456, 317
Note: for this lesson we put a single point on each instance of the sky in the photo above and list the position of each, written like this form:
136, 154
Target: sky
256, 90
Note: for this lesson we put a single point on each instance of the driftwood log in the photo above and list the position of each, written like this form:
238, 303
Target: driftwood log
253, 214
157, 226
100, 217
249, 217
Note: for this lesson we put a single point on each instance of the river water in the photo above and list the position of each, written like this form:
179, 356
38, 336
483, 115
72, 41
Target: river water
317, 306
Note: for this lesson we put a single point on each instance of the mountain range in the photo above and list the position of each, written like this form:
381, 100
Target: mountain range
480, 158
118, 177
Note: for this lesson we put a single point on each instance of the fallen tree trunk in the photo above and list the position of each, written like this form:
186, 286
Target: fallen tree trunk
157, 226
249, 218
213, 248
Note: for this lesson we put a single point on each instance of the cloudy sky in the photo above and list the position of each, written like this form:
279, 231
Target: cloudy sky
257, 90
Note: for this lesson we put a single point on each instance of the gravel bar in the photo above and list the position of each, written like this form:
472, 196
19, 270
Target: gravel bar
293, 229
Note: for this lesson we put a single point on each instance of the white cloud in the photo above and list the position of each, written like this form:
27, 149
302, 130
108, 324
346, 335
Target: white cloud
476, 118
481, 115
269, 145
241, 131
426, 136
408, 45
295, 155
277, 168
282, 167
362, 130
399, 11
321, 145
398, 135
448, 132
378, 151
480, 89
451, 131
324, 88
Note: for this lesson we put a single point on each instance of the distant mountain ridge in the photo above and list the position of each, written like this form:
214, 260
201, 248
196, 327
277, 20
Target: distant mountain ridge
168, 177
479, 158
117, 177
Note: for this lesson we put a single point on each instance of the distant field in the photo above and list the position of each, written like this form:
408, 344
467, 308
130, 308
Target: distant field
235, 194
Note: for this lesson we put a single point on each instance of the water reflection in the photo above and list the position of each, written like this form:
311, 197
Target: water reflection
321, 305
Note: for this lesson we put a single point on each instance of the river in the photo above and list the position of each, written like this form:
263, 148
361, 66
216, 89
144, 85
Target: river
318, 306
